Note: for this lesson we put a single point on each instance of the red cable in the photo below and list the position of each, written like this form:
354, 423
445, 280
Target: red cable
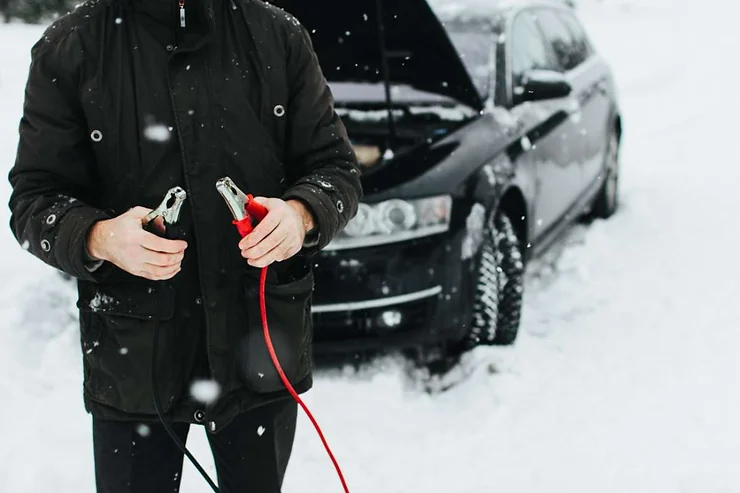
286, 382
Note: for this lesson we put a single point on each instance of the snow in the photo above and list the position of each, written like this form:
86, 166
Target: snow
157, 132
99, 301
625, 378
474, 226
143, 430
205, 391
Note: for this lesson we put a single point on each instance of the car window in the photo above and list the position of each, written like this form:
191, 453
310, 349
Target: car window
528, 49
475, 49
582, 46
564, 43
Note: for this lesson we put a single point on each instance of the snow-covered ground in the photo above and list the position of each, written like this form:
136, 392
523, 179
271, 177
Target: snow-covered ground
626, 378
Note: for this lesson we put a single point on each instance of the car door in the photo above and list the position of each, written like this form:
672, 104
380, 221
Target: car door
547, 130
596, 106
575, 61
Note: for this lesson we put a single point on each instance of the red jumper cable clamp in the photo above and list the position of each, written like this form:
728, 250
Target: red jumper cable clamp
247, 213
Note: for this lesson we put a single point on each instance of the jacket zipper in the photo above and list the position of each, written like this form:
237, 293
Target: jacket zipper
195, 225
181, 3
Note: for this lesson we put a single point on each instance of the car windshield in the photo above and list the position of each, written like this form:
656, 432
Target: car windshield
475, 48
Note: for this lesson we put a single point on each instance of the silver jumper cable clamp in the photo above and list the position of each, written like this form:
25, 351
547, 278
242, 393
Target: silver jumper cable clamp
169, 210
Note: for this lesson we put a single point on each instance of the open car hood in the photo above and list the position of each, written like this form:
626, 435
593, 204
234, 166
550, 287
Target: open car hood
420, 54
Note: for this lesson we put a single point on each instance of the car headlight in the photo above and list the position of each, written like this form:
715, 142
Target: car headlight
395, 220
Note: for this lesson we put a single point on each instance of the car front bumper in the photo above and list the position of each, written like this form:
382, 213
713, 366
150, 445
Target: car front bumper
392, 296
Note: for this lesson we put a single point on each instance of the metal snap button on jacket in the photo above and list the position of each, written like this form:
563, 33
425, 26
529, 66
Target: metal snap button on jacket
45, 245
96, 135
279, 110
199, 416
51, 219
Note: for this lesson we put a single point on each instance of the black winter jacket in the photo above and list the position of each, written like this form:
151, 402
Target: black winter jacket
122, 104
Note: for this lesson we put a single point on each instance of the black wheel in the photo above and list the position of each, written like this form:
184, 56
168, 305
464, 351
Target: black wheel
607, 200
499, 288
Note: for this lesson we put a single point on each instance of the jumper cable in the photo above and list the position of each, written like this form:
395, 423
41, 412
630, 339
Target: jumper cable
247, 213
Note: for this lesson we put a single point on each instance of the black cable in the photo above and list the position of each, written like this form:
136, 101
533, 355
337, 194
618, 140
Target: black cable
162, 418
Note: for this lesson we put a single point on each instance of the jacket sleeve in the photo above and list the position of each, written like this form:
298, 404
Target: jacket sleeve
320, 161
53, 172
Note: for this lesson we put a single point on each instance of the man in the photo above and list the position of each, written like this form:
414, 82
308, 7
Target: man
125, 100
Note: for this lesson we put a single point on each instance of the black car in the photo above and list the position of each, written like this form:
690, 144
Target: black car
482, 135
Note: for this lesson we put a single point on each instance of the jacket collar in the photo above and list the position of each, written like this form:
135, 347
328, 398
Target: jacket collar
162, 19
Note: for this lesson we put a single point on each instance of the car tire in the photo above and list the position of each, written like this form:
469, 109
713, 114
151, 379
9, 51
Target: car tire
499, 287
511, 291
607, 200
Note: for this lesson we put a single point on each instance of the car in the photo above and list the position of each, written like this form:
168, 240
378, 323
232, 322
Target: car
484, 129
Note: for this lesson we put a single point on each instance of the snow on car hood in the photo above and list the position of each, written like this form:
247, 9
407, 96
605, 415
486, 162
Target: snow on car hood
421, 55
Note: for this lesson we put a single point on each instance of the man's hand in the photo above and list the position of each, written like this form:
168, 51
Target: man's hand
279, 235
124, 242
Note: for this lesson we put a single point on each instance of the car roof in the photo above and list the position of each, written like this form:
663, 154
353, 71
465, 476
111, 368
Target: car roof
480, 10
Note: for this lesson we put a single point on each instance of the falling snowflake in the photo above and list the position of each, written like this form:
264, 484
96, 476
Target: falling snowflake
143, 430
157, 133
205, 391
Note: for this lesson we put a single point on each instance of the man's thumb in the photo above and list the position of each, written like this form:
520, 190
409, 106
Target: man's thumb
139, 212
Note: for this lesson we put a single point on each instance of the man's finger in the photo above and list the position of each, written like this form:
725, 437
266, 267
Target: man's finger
170, 273
161, 273
156, 244
273, 255
283, 251
264, 228
161, 259
275, 238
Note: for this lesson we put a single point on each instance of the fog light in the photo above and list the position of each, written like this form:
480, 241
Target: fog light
391, 318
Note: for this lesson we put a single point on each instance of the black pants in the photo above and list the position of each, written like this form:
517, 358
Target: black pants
251, 454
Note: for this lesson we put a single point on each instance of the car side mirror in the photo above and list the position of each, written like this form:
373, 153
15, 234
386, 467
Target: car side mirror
538, 85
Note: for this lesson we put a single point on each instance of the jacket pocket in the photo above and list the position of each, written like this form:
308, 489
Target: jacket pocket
118, 325
290, 327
